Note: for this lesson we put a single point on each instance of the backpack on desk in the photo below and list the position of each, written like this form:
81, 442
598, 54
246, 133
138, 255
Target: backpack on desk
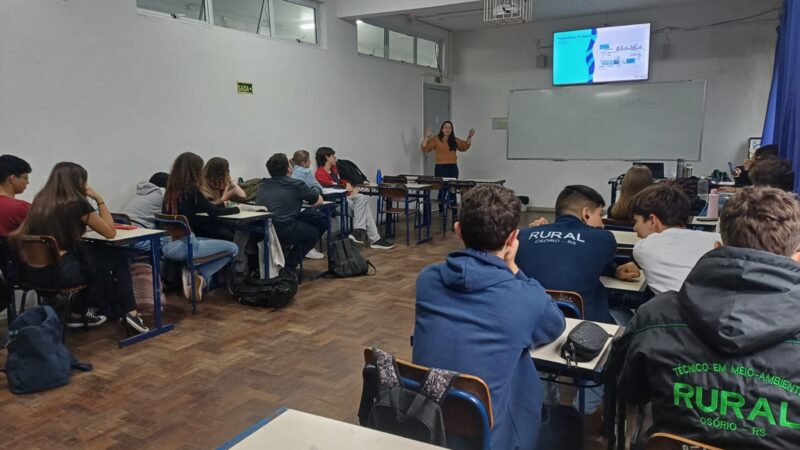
405, 412
348, 261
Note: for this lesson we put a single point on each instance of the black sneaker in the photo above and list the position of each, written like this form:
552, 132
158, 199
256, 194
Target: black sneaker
358, 236
382, 244
90, 318
135, 323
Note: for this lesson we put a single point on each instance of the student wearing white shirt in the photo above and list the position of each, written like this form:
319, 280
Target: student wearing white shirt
667, 251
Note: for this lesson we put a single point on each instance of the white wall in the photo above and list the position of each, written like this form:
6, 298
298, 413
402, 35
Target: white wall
367, 8
736, 60
123, 93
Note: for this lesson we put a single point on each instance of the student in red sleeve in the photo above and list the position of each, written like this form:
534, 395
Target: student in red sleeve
14, 174
364, 226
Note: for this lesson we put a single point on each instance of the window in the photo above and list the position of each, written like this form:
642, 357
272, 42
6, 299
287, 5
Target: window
295, 21
401, 47
242, 15
427, 53
190, 9
371, 39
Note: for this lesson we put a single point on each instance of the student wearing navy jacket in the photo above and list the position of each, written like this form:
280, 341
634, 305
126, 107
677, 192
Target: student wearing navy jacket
572, 253
478, 313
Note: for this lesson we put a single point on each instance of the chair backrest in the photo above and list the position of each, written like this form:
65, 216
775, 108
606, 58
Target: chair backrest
121, 218
393, 191
38, 252
394, 179
435, 182
666, 441
568, 302
467, 408
176, 226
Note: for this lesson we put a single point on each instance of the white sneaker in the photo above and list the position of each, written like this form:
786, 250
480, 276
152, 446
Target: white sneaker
315, 254
187, 285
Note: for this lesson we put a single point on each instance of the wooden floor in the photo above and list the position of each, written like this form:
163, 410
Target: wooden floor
228, 366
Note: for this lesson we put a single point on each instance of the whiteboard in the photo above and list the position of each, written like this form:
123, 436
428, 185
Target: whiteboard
643, 121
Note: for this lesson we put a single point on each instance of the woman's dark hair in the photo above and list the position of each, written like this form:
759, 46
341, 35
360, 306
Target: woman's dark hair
489, 213
216, 177
160, 179
766, 151
636, 178
451, 140
58, 209
185, 177
322, 155
12, 165
774, 172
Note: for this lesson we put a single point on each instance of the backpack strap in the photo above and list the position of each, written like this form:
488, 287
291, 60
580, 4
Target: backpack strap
77, 365
437, 382
373, 268
388, 374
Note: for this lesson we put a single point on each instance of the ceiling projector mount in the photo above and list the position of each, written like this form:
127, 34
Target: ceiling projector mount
504, 12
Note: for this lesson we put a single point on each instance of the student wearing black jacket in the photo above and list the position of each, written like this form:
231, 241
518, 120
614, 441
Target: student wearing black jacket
184, 197
718, 360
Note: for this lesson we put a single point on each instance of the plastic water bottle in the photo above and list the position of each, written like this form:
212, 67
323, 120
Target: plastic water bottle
379, 177
713, 204
702, 189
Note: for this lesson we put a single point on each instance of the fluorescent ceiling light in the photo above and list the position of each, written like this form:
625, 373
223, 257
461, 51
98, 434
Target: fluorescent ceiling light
307, 26
360, 22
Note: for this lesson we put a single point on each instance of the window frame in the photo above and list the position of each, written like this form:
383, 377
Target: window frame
387, 48
205, 4
308, 4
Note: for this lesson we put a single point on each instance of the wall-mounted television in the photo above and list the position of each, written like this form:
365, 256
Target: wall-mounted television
601, 55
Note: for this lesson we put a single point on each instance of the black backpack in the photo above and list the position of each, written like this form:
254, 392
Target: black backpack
274, 293
348, 261
37, 358
350, 172
405, 412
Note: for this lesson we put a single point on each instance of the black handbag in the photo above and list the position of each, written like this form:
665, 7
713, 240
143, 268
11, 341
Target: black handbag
584, 343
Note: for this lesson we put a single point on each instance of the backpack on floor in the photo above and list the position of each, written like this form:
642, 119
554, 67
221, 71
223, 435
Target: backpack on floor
348, 261
37, 358
274, 293
405, 412
142, 279
350, 172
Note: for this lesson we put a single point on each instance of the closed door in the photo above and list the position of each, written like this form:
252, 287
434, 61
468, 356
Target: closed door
436, 102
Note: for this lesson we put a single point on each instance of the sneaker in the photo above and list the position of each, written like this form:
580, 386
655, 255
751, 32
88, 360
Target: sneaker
90, 318
135, 323
357, 236
187, 285
382, 244
315, 254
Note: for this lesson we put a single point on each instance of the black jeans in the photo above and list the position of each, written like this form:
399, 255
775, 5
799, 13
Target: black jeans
302, 234
445, 171
105, 270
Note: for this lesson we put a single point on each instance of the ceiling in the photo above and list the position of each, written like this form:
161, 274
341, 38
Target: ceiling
469, 16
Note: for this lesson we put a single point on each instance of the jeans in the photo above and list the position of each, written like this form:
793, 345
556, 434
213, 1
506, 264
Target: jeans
362, 216
302, 235
201, 247
446, 171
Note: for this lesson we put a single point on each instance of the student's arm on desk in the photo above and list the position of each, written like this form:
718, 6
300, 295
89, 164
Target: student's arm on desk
203, 205
551, 322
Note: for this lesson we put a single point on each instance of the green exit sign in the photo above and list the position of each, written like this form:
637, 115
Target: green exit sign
244, 88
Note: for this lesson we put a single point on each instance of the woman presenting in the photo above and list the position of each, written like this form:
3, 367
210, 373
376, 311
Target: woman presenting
445, 145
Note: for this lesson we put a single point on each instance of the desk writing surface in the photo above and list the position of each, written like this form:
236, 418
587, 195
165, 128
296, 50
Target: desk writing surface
625, 237
123, 235
295, 430
408, 185
708, 222
241, 215
552, 352
637, 285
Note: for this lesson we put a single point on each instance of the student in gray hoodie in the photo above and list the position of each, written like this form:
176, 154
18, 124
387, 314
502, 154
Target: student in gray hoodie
143, 207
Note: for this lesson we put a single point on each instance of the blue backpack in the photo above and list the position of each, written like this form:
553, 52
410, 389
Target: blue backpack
37, 358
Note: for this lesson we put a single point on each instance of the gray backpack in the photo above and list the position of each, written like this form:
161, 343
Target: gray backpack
348, 261
405, 412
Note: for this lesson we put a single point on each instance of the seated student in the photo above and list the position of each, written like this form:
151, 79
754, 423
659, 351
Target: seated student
667, 251
14, 174
478, 314
61, 210
573, 252
636, 178
301, 170
218, 186
773, 172
742, 175
143, 207
284, 197
364, 226
184, 197
718, 359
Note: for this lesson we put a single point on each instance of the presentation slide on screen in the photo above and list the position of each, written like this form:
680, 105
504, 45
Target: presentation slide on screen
601, 55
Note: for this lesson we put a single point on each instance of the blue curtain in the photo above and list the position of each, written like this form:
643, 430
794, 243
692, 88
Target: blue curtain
782, 122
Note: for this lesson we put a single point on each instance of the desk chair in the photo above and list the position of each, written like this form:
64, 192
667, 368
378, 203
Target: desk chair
454, 189
42, 253
14, 277
466, 409
391, 179
570, 303
437, 184
177, 227
389, 193
666, 441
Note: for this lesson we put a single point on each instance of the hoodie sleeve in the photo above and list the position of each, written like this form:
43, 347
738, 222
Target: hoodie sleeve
627, 366
551, 322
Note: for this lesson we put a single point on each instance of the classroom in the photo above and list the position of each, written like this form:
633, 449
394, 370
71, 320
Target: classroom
399, 224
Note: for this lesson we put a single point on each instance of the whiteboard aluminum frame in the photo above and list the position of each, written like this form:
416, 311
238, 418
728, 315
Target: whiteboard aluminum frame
644, 158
